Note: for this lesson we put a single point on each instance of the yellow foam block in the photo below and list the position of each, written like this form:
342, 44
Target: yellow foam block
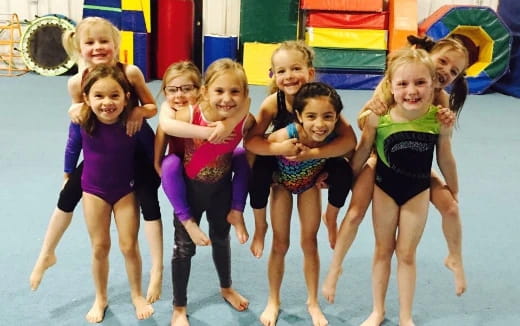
257, 62
126, 49
139, 5
346, 38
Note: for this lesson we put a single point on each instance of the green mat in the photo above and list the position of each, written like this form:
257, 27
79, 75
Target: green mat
351, 59
268, 21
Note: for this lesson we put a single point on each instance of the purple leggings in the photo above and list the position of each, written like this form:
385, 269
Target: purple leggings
175, 188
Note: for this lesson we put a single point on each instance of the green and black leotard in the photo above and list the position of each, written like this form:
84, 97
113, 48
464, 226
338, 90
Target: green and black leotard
405, 155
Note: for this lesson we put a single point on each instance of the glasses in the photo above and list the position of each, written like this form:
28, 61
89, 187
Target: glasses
183, 88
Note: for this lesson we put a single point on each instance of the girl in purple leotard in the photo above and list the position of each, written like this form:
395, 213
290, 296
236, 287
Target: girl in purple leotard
107, 182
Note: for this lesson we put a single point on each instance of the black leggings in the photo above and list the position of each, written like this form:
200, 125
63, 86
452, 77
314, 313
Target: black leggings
146, 184
215, 200
339, 179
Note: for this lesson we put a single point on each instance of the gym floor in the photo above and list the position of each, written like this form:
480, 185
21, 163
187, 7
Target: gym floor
31, 159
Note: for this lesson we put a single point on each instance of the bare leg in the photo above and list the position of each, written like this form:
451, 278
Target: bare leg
58, 223
330, 220
154, 236
236, 218
281, 207
361, 197
309, 210
412, 219
97, 217
127, 220
257, 245
179, 316
384, 217
196, 234
235, 299
448, 207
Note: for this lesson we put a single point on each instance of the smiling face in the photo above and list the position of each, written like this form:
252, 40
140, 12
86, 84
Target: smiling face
225, 95
181, 92
412, 87
291, 70
449, 64
318, 118
97, 45
107, 100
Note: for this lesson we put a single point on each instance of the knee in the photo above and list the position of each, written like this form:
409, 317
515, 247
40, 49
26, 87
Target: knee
183, 251
354, 217
280, 247
128, 248
100, 251
450, 211
383, 252
405, 256
309, 246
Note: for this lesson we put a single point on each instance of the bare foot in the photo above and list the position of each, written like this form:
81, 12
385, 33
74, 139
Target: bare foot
329, 285
97, 312
236, 218
143, 309
42, 264
197, 236
317, 316
235, 299
375, 319
330, 218
455, 265
179, 317
270, 314
257, 245
155, 286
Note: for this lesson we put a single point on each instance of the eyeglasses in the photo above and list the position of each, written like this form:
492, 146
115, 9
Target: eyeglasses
183, 88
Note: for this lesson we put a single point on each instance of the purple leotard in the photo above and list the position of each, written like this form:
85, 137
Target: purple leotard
108, 160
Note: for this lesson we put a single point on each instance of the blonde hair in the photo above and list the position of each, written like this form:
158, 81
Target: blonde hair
71, 39
294, 45
181, 68
223, 66
399, 58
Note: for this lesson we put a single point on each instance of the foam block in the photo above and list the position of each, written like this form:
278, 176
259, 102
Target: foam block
349, 79
216, 47
341, 19
350, 59
110, 13
135, 49
257, 62
133, 20
343, 5
402, 22
346, 38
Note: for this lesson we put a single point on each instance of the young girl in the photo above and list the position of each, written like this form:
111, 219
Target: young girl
291, 66
451, 59
208, 171
107, 182
96, 41
405, 139
317, 107
180, 86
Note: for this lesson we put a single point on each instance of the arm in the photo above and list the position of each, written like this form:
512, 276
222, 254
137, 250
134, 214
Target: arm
147, 108
446, 160
224, 128
74, 89
255, 141
366, 143
344, 143
377, 104
72, 149
173, 126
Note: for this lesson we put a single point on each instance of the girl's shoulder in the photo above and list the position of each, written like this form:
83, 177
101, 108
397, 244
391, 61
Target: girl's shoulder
133, 73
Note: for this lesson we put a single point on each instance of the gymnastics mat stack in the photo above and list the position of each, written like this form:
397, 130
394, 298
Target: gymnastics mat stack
349, 39
263, 24
221, 29
489, 37
403, 21
133, 19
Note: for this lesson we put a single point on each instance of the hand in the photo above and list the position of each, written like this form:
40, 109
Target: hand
290, 148
377, 106
320, 181
74, 114
221, 133
134, 121
303, 153
446, 117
